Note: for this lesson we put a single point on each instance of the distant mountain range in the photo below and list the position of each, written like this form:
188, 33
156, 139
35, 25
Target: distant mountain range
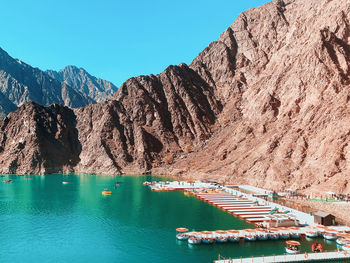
71, 86
79, 79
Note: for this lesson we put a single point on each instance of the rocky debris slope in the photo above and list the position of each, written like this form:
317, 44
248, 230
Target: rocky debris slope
266, 104
78, 78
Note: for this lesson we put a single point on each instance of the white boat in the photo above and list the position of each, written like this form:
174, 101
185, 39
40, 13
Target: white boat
293, 247
284, 235
233, 239
208, 240
249, 234
182, 236
233, 236
274, 236
291, 251
207, 237
221, 236
294, 235
250, 237
194, 240
312, 234
330, 236
343, 241
221, 239
262, 236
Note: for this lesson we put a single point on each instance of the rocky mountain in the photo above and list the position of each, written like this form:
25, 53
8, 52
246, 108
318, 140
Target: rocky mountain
6, 106
20, 83
152, 116
79, 79
266, 104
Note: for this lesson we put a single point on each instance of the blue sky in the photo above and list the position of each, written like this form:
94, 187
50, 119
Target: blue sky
114, 39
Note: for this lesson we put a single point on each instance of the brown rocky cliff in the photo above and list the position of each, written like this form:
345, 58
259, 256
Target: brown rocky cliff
37, 139
265, 104
286, 101
151, 118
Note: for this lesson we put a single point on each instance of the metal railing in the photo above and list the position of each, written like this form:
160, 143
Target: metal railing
336, 255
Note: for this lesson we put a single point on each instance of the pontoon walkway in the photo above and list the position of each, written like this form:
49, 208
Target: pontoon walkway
312, 257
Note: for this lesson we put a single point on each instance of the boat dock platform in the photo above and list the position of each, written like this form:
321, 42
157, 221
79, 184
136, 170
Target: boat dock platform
248, 207
303, 218
233, 204
251, 211
312, 257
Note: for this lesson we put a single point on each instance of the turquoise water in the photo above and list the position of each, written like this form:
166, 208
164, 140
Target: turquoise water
43, 220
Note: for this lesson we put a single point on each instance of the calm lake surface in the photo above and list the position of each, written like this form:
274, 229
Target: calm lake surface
43, 220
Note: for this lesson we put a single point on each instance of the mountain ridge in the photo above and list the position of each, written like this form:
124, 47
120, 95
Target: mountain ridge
20, 83
267, 104
78, 78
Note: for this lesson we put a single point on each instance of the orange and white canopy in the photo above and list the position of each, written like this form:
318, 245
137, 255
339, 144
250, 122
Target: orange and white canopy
206, 232
293, 243
221, 232
181, 229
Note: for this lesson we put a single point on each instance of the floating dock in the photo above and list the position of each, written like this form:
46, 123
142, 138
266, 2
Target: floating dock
232, 200
312, 257
177, 185
238, 206
303, 218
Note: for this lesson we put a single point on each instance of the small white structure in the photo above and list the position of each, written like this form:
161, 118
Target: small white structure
280, 220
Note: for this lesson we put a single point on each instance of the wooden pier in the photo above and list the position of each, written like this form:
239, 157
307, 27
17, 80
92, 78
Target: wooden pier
240, 207
312, 257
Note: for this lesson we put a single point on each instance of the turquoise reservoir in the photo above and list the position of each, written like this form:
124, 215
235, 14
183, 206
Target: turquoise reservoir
43, 220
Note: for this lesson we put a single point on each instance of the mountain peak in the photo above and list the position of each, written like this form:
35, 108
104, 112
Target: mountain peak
73, 69
78, 78
20, 83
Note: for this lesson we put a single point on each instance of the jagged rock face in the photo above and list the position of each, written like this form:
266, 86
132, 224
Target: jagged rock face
266, 104
152, 116
20, 83
95, 88
286, 116
45, 142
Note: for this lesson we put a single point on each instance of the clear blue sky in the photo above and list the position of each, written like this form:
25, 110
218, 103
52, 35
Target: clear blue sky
114, 39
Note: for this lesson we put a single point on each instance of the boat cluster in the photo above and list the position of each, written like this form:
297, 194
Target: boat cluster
209, 237
220, 236
281, 233
342, 239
